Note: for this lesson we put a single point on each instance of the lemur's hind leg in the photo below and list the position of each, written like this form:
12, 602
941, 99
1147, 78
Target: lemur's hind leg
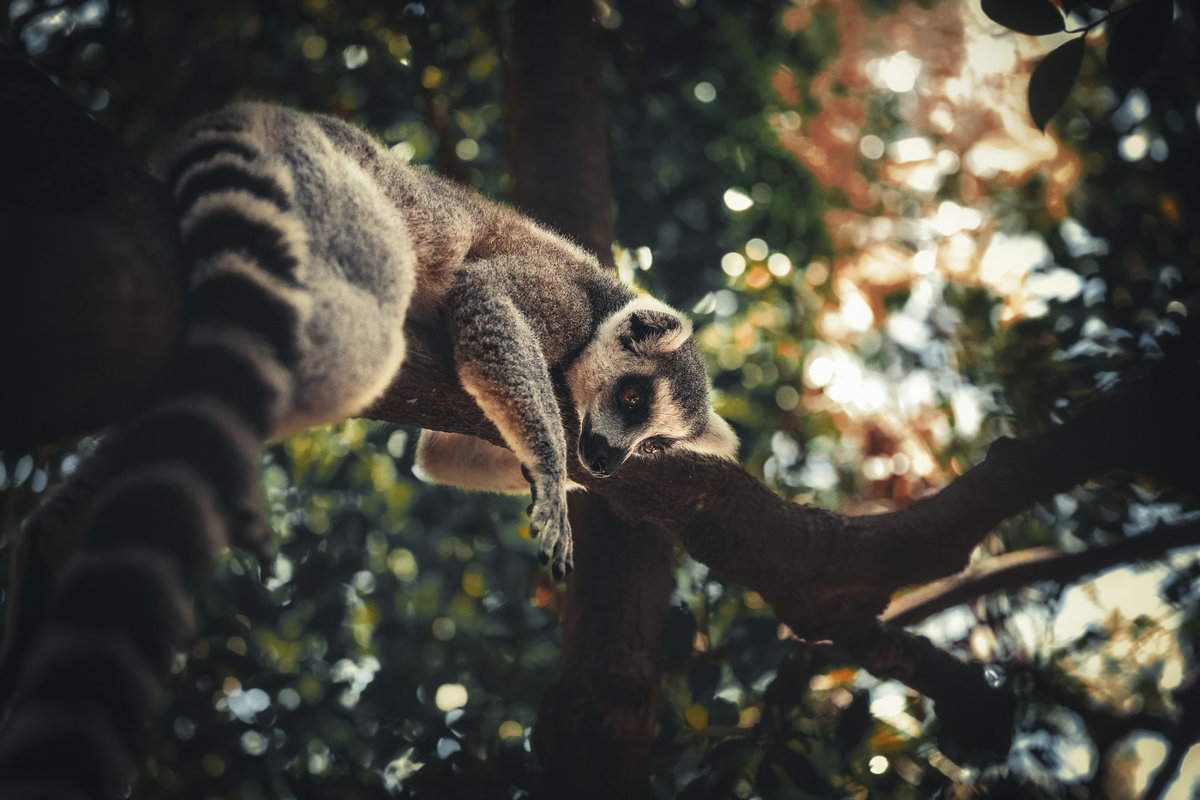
469, 463
502, 368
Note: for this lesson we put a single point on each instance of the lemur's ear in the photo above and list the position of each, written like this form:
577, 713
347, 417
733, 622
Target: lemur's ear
654, 329
717, 439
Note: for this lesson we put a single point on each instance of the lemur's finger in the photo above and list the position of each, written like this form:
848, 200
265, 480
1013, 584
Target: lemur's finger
563, 562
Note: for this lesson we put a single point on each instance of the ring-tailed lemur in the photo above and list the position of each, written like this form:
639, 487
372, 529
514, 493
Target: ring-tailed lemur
308, 246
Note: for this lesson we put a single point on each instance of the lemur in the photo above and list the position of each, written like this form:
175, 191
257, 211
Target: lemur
308, 245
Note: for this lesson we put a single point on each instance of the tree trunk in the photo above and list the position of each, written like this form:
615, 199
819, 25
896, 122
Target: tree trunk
596, 727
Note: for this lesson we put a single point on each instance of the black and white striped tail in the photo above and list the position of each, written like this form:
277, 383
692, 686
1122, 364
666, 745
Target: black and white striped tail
183, 478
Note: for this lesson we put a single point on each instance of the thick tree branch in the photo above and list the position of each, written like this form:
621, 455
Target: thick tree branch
557, 140
597, 720
828, 575
1023, 567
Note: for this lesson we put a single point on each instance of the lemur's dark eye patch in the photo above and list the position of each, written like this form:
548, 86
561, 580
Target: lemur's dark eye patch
633, 395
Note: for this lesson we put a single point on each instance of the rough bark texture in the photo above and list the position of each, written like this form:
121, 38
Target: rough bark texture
557, 140
595, 729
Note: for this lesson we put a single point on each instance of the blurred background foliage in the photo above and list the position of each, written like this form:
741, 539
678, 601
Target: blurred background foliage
889, 265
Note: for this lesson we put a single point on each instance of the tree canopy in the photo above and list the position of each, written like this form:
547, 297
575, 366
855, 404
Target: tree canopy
904, 229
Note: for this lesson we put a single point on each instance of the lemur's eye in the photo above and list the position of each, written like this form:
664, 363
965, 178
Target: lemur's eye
652, 447
631, 397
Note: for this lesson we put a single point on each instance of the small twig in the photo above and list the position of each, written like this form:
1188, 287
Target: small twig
1086, 29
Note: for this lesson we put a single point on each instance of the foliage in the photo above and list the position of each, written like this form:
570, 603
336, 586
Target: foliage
1138, 32
888, 269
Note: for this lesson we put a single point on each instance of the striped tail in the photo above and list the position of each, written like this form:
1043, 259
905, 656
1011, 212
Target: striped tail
182, 482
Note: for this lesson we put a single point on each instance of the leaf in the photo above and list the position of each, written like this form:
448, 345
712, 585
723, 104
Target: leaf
1136, 38
731, 754
765, 780
703, 679
855, 722
1052, 79
801, 771
754, 648
722, 713
1034, 17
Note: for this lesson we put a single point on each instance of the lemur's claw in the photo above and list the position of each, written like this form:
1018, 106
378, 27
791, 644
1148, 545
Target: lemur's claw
562, 568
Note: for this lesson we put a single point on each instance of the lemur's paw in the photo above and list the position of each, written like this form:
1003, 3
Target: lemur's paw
549, 520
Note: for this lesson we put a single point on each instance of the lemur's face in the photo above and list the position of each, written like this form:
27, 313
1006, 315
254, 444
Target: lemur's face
640, 390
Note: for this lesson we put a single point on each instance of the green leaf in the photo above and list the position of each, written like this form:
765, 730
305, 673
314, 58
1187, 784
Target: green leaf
1136, 38
1052, 79
765, 780
732, 754
722, 713
855, 722
801, 771
1034, 17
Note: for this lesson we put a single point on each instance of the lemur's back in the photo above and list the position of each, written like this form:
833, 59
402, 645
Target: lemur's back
372, 239
550, 278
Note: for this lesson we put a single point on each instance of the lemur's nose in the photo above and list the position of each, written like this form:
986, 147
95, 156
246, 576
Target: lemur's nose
598, 455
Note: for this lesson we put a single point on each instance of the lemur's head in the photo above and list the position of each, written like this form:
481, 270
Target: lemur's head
640, 389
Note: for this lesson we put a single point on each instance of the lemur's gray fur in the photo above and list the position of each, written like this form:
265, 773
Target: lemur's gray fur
310, 244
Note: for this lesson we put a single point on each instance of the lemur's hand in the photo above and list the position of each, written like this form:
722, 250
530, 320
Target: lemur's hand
548, 518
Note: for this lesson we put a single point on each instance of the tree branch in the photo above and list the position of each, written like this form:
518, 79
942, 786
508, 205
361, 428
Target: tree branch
1024, 567
827, 575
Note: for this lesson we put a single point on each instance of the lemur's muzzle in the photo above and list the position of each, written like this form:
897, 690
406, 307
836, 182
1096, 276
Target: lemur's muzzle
600, 458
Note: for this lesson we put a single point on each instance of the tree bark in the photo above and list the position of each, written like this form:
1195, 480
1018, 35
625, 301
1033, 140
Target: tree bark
557, 139
595, 730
